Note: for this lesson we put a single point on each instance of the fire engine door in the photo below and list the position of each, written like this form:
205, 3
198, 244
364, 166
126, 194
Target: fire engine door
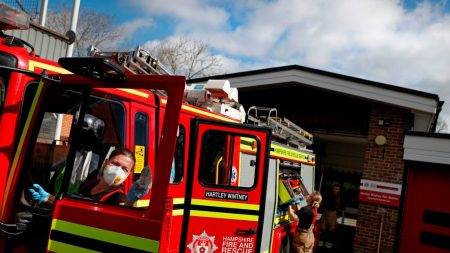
225, 196
90, 124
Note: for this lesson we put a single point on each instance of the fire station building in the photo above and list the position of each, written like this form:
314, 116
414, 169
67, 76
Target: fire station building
377, 141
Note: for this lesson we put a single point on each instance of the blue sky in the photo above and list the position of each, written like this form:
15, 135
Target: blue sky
400, 42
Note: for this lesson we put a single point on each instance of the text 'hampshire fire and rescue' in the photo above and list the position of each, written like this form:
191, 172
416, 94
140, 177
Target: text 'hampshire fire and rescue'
226, 195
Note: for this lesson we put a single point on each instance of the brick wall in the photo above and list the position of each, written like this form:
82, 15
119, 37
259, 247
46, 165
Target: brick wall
384, 164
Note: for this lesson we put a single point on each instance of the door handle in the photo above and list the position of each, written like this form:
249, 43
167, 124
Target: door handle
245, 232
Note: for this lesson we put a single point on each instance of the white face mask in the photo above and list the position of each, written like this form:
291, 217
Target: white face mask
114, 175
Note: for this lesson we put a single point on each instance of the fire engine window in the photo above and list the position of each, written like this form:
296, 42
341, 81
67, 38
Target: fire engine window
176, 174
223, 162
103, 129
46, 157
140, 142
113, 114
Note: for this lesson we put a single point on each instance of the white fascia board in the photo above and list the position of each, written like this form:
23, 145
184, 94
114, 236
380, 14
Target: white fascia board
366, 91
426, 149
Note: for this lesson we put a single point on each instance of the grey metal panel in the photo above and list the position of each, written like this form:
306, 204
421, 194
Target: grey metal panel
38, 43
308, 176
46, 44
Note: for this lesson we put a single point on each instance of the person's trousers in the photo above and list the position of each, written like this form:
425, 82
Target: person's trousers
328, 221
303, 241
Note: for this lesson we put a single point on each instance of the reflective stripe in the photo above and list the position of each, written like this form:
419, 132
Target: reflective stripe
25, 130
143, 203
135, 92
102, 235
220, 215
35, 64
178, 212
224, 210
178, 208
215, 203
178, 201
67, 248
289, 153
201, 112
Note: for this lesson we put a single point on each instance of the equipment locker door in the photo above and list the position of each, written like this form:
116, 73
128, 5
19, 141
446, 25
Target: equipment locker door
225, 196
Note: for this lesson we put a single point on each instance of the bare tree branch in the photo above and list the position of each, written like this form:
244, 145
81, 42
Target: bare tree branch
190, 58
441, 126
93, 28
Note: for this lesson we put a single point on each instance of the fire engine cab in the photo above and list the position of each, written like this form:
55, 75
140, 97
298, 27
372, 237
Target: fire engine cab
220, 182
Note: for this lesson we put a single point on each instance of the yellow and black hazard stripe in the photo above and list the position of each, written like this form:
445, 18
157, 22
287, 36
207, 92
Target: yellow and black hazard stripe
32, 65
71, 237
224, 210
178, 205
280, 151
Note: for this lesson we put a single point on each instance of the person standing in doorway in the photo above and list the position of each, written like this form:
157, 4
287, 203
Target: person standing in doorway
328, 222
304, 237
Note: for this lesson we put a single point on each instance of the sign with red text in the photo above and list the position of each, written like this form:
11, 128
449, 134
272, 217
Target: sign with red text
381, 193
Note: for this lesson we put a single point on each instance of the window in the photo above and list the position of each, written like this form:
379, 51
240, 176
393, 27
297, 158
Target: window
225, 163
176, 174
102, 129
46, 157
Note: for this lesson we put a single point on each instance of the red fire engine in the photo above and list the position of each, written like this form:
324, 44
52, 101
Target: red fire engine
218, 185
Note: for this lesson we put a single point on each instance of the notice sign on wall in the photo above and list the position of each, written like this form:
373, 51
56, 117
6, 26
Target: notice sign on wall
381, 193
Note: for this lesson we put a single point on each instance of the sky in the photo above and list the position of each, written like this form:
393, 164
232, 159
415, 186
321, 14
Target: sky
400, 42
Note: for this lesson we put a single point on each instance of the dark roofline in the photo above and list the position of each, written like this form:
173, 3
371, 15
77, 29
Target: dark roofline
429, 134
319, 72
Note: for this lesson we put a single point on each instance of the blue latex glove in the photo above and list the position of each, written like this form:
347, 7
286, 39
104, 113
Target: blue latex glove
295, 201
38, 193
136, 192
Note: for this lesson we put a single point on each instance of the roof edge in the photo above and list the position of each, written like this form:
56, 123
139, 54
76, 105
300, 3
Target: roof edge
319, 72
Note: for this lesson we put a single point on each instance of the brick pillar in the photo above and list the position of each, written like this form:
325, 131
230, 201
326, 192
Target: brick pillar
384, 164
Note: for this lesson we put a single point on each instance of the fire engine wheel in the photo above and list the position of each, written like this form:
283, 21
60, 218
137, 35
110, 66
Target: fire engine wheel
285, 246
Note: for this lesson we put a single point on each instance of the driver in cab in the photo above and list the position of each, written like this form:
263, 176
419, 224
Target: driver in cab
107, 187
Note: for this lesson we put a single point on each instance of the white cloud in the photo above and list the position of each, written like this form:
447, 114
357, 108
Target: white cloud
190, 15
128, 30
374, 39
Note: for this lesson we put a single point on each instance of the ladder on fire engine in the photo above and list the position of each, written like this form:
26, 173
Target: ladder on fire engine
138, 61
282, 128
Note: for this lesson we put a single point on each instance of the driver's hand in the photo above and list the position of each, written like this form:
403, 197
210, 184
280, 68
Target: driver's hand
38, 193
136, 192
